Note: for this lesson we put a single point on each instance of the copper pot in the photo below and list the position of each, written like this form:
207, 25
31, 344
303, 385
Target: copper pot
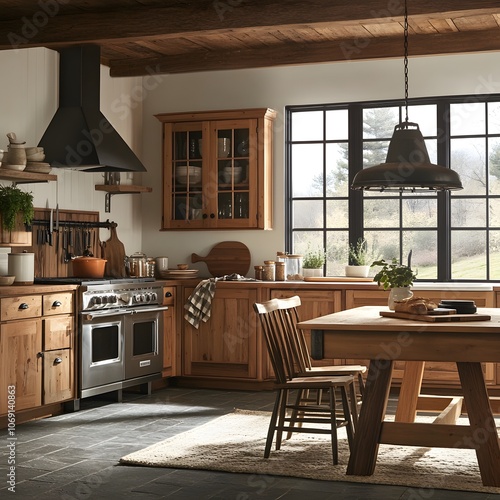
88, 267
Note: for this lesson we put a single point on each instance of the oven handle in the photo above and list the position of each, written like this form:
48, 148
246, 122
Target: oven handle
90, 315
148, 309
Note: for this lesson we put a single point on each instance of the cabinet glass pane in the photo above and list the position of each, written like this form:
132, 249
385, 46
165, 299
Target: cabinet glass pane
187, 175
187, 206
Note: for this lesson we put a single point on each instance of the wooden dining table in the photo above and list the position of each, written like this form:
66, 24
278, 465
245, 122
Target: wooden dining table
362, 333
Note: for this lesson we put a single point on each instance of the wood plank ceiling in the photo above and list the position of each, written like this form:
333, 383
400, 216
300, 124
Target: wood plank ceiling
139, 37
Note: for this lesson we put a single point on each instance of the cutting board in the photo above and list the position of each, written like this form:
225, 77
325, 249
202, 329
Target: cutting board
436, 318
336, 279
113, 251
226, 257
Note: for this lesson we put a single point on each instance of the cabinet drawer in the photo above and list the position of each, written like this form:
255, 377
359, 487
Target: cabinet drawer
29, 306
57, 332
57, 303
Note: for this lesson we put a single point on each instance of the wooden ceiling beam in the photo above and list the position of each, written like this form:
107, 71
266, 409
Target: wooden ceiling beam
307, 53
212, 17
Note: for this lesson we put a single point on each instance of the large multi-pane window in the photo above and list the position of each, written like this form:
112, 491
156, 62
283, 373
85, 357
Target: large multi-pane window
451, 235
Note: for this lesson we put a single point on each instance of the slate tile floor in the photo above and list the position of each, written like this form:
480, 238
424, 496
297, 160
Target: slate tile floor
75, 455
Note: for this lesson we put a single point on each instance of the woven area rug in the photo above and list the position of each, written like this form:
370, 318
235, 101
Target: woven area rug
235, 443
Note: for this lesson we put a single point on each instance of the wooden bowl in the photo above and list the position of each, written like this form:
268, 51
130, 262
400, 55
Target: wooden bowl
6, 280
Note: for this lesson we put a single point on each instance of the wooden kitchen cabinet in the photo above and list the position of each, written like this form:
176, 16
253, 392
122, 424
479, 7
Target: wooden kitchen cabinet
37, 335
217, 169
226, 346
21, 363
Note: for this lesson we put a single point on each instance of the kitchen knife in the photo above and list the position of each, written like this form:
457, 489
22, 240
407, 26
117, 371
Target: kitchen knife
51, 226
57, 217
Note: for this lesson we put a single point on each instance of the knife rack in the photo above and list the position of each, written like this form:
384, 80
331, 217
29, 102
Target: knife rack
51, 260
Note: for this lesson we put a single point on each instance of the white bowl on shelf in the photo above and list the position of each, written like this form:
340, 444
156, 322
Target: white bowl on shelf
182, 174
228, 171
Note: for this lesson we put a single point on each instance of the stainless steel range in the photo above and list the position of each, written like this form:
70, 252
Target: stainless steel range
121, 335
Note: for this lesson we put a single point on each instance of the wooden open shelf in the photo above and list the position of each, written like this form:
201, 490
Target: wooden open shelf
112, 189
20, 176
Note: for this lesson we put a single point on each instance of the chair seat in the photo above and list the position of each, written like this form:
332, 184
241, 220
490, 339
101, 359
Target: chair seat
332, 370
316, 382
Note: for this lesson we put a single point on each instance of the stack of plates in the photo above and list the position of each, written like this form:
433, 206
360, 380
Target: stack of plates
38, 166
178, 274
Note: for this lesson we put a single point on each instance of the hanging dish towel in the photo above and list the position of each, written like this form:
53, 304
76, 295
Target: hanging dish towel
199, 303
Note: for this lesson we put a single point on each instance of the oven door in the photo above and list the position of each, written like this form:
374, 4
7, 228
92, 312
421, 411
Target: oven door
102, 348
144, 341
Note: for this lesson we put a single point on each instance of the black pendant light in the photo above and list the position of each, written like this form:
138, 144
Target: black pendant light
407, 166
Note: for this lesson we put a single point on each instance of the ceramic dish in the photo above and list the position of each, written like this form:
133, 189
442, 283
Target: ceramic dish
179, 274
6, 280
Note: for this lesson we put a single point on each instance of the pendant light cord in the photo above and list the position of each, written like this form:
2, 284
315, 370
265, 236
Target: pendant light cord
405, 30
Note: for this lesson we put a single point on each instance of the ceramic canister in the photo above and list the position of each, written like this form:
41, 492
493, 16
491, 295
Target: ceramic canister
161, 264
22, 266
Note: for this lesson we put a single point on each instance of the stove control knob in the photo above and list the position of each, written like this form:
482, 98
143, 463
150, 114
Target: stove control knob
112, 299
97, 300
154, 296
104, 299
147, 297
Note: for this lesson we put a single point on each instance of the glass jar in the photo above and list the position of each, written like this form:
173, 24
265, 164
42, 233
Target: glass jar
280, 256
136, 265
293, 268
269, 270
258, 272
150, 268
280, 271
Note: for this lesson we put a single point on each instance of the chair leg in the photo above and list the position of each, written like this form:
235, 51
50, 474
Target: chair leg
354, 405
272, 424
361, 384
281, 417
301, 394
347, 416
333, 417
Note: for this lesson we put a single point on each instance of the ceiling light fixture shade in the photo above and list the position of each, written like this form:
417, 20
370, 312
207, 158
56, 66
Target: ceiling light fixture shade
407, 166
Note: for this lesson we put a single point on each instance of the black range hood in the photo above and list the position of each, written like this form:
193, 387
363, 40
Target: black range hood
79, 135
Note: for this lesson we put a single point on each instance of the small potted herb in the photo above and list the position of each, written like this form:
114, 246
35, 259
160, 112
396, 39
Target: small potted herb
313, 262
359, 259
16, 210
396, 277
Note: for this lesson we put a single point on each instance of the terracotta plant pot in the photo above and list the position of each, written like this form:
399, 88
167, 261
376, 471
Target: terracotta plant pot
88, 267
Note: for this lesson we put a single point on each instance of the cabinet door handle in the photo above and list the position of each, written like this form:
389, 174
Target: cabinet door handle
57, 361
168, 294
204, 216
212, 216
56, 303
24, 306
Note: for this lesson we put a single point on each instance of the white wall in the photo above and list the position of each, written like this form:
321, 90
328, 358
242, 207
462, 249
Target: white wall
275, 88
28, 100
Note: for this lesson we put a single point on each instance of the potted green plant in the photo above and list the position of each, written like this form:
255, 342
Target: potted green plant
312, 263
16, 212
359, 259
396, 277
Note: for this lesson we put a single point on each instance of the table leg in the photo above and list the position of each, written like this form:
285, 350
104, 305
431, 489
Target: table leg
409, 392
483, 428
366, 439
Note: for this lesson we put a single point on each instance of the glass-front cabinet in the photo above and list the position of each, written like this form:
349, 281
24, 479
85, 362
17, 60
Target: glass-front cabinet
217, 169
